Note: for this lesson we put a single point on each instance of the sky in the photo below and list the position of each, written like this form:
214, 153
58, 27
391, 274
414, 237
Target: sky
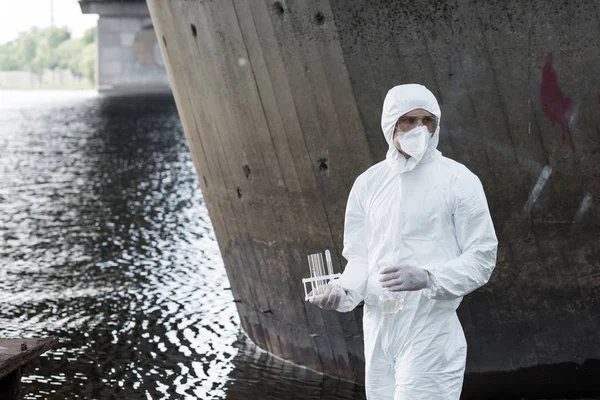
20, 15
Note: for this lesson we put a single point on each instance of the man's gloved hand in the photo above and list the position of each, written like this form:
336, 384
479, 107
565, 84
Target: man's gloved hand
328, 297
401, 278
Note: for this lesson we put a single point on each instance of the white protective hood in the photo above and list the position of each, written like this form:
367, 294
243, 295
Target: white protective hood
398, 101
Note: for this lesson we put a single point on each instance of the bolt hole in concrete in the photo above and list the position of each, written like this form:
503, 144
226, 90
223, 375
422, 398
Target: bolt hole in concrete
319, 18
247, 171
278, 8
194, 31
323, 166
239, 193
106, 242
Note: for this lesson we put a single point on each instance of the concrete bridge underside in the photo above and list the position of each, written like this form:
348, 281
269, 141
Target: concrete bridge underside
128, 55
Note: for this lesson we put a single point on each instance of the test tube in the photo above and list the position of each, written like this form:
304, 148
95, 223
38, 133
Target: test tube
321, 268
312, 275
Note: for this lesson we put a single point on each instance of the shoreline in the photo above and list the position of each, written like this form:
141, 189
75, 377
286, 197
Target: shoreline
48, 87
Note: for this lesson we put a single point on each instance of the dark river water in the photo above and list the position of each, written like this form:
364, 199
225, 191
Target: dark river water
105, 242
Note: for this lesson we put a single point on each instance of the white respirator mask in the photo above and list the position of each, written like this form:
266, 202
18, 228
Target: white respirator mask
414, 142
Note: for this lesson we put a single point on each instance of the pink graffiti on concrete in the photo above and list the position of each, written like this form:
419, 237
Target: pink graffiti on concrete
557, 106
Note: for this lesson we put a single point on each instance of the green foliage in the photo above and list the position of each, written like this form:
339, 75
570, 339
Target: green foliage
27, 44
8, 57
87, 62
51, 48
89, 36
55, 36
68, 55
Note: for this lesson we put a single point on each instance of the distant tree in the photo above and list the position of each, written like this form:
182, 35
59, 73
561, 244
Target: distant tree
69, 55
87, 61
46, 55
89, 36
27, 44
8, 57
55, 36
45, 58
37, 50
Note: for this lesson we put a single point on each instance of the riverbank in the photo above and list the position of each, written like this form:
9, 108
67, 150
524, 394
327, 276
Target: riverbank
49, 87
53, 80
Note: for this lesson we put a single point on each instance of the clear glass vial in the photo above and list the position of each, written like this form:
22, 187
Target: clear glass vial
391, 302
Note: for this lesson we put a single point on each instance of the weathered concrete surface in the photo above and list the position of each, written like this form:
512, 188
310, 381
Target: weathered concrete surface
281, 100
128, 56
14, 354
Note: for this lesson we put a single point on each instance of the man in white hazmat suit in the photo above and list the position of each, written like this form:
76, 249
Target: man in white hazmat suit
417, 224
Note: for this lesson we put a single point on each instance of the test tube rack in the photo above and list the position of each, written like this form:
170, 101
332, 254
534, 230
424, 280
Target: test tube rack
320, 274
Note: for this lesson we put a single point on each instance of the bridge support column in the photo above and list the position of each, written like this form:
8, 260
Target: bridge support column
128, 57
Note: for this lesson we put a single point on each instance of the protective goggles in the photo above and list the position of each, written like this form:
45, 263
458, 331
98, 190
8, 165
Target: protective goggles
406, 123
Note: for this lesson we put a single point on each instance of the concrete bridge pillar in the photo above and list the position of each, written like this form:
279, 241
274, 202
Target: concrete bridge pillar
128, 56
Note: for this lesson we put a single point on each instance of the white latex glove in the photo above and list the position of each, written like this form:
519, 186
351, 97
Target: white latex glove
328, 297
401, 278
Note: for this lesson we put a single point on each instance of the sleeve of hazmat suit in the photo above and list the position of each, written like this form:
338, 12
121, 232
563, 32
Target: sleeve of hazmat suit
355, 275
476, 238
